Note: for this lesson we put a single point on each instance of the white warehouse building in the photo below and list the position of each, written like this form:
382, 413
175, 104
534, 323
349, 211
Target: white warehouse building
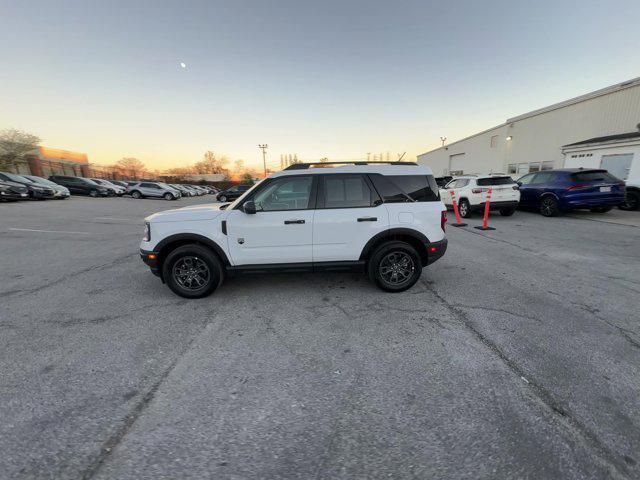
599, 129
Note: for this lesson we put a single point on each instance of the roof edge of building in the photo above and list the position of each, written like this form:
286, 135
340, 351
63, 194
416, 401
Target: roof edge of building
634, 82
463, 139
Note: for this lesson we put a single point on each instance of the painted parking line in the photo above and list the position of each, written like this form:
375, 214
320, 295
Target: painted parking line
115, 218
48, 231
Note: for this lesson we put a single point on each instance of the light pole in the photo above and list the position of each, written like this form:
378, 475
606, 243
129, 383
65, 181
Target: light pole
443, 139
264, 157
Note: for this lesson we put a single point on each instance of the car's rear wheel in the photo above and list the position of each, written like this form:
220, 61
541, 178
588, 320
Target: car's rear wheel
395, 266
93, 193
549, 207
464, 208
631, 201
222, 198
136, 194
600, 209
192, 271
507, 212
168, 196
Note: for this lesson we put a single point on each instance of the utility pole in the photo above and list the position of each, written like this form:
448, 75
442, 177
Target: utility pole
264, 157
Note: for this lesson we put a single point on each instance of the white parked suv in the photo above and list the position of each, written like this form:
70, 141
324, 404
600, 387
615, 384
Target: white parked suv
386, 220
153, 189
471, 193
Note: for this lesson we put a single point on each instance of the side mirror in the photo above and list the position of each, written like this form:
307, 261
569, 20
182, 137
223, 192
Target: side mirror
519, 184
249, 207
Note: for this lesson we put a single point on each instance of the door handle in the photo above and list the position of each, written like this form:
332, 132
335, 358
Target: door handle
291, 222
368, 219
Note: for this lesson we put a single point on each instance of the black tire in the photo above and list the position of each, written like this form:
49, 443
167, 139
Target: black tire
631, 201
93, 193
222, 198
394, 266
507, 212
549, 207
464, 208
187, 266
168, 196
136, 194
601, 209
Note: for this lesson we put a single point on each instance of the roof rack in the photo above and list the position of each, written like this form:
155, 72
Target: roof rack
305, 166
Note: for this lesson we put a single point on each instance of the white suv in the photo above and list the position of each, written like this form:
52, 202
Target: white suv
471, 194
386, 220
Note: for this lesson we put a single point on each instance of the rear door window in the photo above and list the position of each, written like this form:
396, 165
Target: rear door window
346, 191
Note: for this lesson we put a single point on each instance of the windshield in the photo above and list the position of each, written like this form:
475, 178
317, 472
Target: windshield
18, 178
244, 195
43, 181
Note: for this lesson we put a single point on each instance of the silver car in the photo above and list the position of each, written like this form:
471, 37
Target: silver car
60, 192
154, 189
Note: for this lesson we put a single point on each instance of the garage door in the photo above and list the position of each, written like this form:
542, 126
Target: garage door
617, 165
456, 164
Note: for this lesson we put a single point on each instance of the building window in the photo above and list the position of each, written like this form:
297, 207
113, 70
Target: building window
511, 168
494, 141
534, 167
523, 168
546, 166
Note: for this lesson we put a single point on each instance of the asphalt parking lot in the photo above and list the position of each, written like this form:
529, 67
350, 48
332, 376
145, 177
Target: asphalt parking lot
517, 355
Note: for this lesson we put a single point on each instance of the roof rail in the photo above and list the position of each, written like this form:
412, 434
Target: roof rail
305, 166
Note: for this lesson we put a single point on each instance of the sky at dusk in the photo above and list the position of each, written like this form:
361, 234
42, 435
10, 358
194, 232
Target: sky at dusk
325, 78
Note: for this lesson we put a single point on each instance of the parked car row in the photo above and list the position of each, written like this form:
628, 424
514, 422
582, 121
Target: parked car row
551, 192
20, 187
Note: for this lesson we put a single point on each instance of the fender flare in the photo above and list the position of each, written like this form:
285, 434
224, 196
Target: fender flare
195, 238
390, 233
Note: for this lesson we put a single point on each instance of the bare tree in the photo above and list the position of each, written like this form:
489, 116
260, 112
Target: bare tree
132, 167
211, 163
16, 145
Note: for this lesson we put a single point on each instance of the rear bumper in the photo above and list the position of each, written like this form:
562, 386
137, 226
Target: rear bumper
593, 201
14, 195
496, 205
436, 250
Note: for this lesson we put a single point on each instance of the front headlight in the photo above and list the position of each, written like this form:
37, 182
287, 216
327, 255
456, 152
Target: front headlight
147, 232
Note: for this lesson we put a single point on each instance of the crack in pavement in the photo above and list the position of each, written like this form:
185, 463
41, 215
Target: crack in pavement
120, 433
22, 292
604, 454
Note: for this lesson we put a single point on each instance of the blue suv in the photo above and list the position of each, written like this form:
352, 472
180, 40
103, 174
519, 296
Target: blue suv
555, 191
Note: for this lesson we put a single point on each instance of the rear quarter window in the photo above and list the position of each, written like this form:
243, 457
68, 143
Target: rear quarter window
406, 188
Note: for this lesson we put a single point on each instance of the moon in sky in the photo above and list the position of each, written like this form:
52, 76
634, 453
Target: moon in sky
183, 65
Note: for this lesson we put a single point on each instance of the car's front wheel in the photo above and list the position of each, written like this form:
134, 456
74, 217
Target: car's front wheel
93, 193
192, 271
136, 194
168, 196
395, 266
222, 198
549, 207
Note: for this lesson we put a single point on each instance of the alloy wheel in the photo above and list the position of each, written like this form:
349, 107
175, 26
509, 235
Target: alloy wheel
191, 273
396, 268
548, 207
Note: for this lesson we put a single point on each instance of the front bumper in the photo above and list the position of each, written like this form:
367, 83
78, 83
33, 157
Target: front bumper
9, 195
436, 250
151, 259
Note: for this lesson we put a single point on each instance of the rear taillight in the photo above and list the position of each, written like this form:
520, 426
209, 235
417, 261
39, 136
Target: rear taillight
578, 186
443, 219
